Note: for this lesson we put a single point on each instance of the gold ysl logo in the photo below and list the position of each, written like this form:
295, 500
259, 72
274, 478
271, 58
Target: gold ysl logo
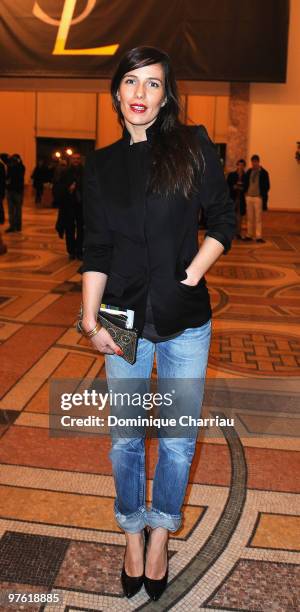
64, 25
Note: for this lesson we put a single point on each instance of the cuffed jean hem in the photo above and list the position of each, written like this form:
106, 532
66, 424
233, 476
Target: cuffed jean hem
134, 522
156, 518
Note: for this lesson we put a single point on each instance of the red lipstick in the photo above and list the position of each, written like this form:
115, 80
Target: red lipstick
138, 108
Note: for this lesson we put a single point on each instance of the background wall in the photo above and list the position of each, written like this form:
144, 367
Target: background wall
17, 125
211, 111
275, 124
78, 108
26, 115
61, 114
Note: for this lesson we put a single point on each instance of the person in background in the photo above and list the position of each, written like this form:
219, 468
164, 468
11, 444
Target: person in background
257, 186
15, 192
71, 205
60, 167
236, 184
57, 193
3, 170
39, 178
49, 172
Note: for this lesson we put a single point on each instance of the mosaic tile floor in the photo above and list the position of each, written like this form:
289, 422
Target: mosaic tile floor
239, 547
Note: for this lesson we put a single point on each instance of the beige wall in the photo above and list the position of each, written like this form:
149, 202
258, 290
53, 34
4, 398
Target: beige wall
211, 111
17, 125
275, 124
108, 128
25, 115
85, 115
66, 115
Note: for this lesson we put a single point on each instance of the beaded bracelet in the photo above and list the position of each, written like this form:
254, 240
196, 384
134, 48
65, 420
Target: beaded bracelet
90, 333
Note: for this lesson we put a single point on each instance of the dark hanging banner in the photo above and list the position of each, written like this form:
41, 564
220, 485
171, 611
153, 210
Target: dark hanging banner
212, 40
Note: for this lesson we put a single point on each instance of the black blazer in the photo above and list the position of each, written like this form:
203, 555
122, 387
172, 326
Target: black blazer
232, 180
138, 258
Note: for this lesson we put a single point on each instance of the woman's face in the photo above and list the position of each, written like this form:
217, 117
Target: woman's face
141, 95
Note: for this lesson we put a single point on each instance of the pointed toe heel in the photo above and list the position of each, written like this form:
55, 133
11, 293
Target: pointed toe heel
155, 588
131, 584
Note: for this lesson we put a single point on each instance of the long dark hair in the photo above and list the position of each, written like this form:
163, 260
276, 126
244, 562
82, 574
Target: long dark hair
176, 155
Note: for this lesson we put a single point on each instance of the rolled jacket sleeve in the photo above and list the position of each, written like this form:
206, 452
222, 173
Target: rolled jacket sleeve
217, 205
98, 241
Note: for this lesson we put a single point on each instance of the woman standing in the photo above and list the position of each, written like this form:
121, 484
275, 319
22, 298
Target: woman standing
142, 199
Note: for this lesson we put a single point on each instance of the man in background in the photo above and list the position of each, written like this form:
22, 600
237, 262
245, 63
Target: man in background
236, 184
257, 186
15, 192
39, 177
2, 188
71, 206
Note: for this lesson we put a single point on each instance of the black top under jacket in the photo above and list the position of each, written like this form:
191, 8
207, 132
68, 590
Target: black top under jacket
137, 159
144, 242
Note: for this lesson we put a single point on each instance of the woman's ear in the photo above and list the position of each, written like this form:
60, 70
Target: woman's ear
164, 102
118, 96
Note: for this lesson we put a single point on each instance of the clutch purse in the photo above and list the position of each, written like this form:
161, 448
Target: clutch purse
125, 338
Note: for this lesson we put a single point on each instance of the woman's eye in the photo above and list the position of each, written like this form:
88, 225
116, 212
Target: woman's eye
129, 81
153, 84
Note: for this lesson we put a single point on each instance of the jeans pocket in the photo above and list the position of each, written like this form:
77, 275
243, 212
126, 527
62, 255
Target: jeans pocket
203, 331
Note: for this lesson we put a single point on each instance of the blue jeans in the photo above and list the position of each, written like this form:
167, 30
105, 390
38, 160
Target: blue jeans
182, 357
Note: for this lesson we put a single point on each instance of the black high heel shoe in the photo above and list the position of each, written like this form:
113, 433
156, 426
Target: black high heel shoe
155, 588
132, 584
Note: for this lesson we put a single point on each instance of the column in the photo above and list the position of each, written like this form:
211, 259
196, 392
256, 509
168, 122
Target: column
238, 124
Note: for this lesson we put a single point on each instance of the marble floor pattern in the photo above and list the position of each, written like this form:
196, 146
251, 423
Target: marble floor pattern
239, 547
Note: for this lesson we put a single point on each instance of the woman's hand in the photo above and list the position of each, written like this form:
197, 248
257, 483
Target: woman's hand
210, 250
102, 341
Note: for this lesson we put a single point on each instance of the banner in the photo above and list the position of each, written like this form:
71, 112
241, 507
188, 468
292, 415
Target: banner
212, 40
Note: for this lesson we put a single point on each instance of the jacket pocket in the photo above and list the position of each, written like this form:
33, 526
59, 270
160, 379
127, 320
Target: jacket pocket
190, 288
